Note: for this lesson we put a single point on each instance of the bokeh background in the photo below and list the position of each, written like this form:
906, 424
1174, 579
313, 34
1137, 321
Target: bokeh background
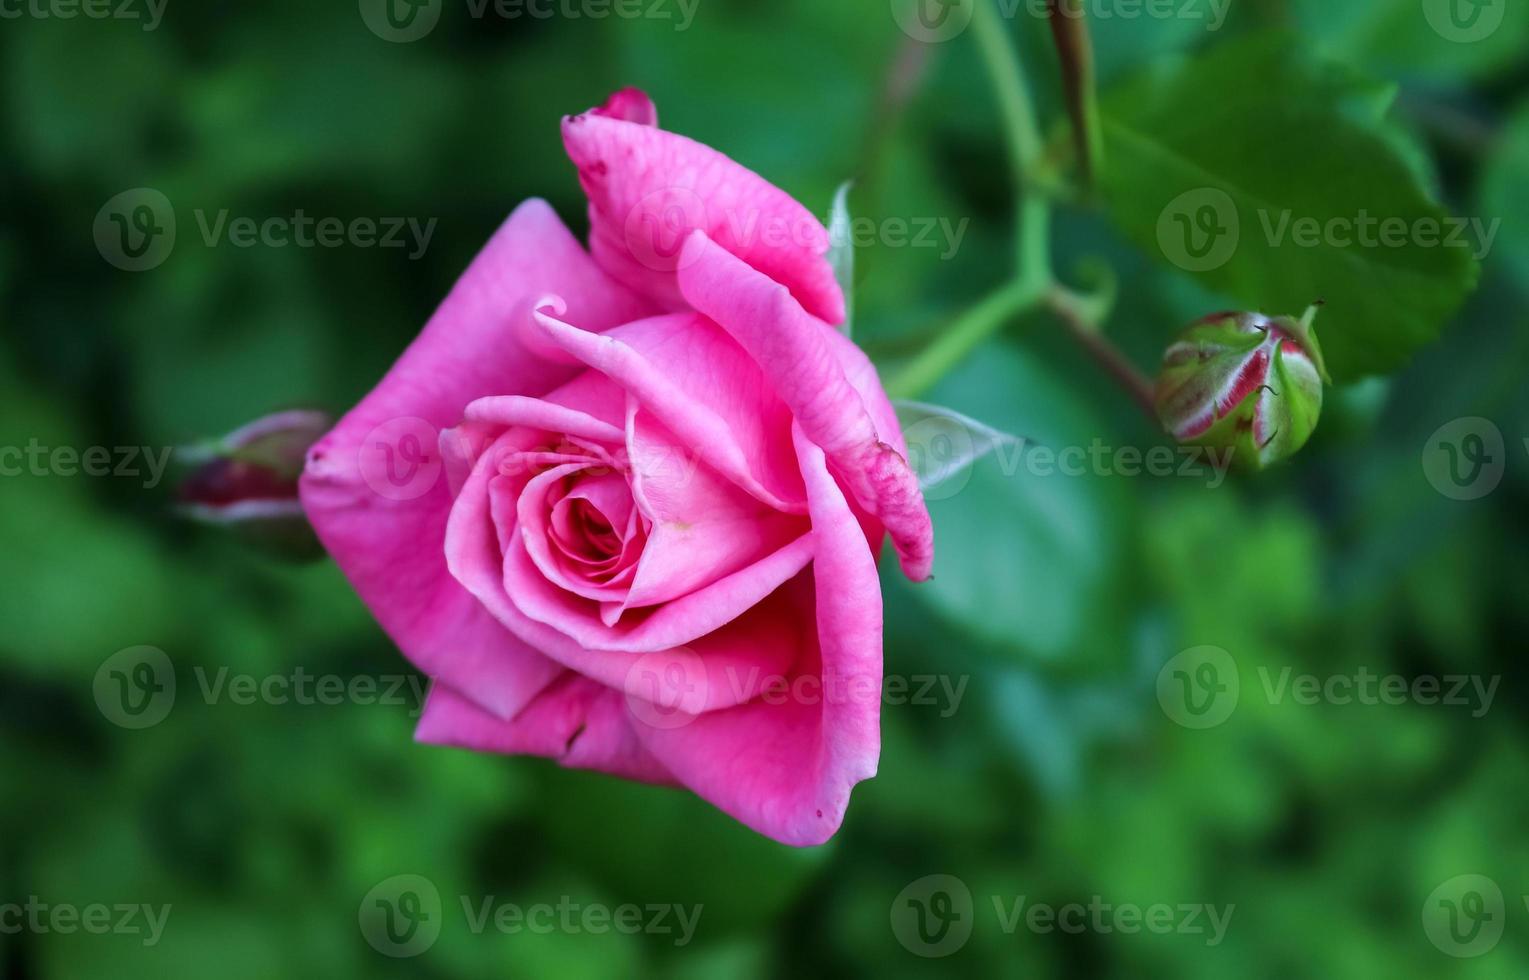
1058, 776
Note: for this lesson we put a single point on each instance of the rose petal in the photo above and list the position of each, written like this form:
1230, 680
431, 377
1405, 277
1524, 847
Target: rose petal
630, 104
786, 768
700, 386
581, 724
532, 515
798, 353
649, 188
741, 638
688, 620
703, 527
538, 413
387, 537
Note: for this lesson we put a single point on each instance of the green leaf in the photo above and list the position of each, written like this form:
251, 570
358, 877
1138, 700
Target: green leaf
1436, 40
1026, 549
1270, 177
943, 444
841, 253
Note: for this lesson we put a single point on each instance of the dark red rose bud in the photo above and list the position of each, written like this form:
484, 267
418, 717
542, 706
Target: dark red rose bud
247, 481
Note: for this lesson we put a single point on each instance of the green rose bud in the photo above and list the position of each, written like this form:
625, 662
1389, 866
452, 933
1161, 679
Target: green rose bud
1244, 381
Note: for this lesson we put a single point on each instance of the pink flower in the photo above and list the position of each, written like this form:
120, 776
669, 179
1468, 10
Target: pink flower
623, 506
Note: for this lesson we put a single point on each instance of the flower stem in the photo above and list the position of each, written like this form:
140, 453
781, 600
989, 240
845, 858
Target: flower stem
1074, 312
1023, 138
1028, 288
1014, 103
1034, 285
963, 336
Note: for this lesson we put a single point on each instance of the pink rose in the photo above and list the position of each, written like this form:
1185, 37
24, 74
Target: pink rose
623, 506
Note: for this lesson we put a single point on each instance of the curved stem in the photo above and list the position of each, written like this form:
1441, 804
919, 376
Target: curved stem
1073, 311
1034, 284
963, 336
1033, 233
1023, 138
1020, 127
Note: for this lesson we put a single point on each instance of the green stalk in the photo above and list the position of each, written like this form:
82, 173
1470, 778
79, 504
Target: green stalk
1034, 286
1023, 137
963, 336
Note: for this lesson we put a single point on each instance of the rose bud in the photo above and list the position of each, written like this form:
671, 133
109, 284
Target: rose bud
1245, 382
247, 481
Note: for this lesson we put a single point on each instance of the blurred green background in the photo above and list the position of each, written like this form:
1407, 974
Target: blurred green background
1058, 777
